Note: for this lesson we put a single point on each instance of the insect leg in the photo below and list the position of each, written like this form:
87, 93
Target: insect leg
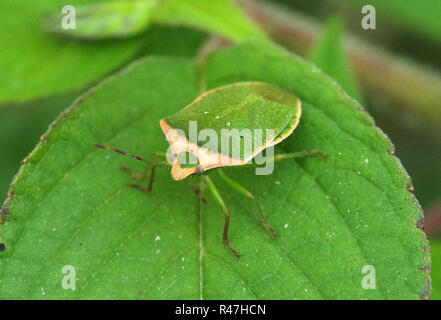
134, 174
220, 201
239, 188
291, 155
156, 164
299, 154
151, 180
198, 193
161, 163
141, 176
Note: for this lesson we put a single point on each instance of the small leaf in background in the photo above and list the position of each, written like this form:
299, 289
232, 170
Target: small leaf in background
181, 41
334, 217
221, 17
127, 18
329, 55
112, 19
35, 65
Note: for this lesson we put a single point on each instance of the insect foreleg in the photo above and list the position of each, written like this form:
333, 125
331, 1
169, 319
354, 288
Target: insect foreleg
151, 180
160, 162
135, 175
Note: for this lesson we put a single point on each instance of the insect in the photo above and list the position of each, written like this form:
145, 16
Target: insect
238, 122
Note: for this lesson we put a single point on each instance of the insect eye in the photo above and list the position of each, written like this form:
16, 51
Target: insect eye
199, 170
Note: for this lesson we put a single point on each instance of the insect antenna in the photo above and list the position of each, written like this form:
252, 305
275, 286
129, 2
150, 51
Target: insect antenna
100, 146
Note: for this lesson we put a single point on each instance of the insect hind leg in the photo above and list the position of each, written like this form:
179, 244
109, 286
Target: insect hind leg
240, 189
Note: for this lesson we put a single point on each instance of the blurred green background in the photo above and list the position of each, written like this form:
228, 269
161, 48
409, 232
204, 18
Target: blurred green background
395, 68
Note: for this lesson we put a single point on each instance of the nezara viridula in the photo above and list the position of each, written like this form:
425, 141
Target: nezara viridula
266, 113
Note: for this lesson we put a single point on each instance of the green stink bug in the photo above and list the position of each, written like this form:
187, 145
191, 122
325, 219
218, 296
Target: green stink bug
234, 108
237, 121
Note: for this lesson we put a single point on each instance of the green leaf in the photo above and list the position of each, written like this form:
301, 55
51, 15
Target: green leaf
112, 19
329, 55
121, 19
71, 203
21, 127
35, 65
217, 16
186, 42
